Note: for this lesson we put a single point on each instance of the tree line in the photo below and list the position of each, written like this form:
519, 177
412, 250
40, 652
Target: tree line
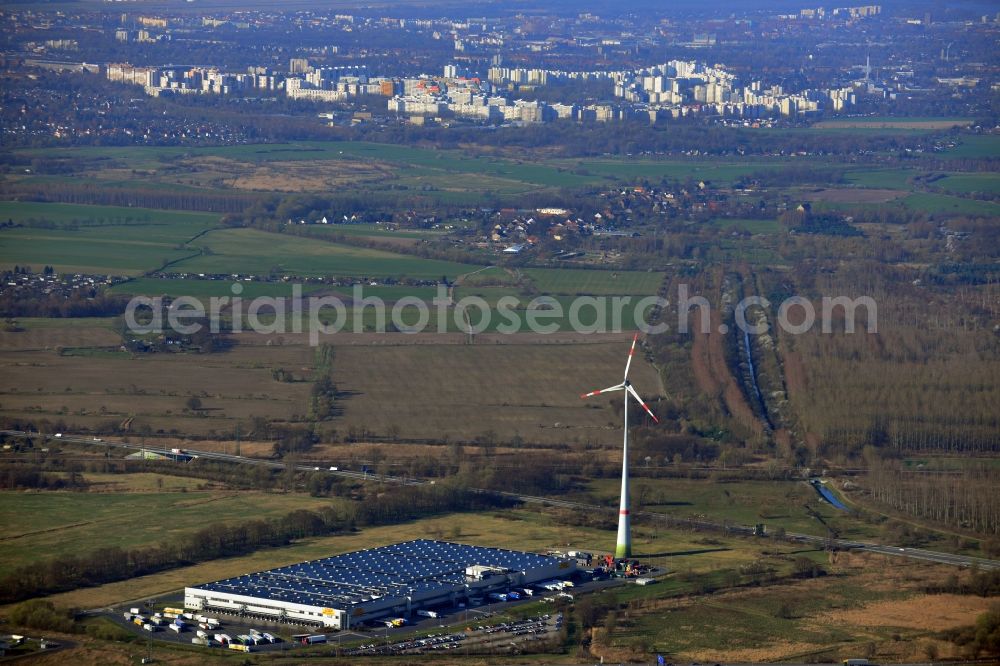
212, 201
965, 499
89, 302
24, 477
111, 563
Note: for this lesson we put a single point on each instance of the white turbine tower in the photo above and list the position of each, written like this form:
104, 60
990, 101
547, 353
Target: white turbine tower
624, 544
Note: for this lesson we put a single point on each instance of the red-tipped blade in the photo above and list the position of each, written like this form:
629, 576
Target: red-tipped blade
631, 352
644, 406
619, 387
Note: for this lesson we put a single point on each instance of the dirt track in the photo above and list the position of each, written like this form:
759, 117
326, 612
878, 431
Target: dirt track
708, 360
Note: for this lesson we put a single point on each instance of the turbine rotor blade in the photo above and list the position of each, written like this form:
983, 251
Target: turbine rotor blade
610, 389
644, 406
630, 353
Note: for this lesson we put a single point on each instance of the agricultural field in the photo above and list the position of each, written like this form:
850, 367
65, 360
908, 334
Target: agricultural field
98, 239
260, 252
489, 294
465, 391
939, 204
885, 179
637, 169
846, 200
390, 293
93, 251
53, 334
94, 390
570, 281
763, 227
524, 384
132, 241
977, 146
491, 276
851, 195
203, 289
967, 183
51, 524
377, 232
508, 310
160, 224
139, 483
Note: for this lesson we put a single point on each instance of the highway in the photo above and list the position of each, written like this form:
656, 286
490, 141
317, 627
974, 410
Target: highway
894, 551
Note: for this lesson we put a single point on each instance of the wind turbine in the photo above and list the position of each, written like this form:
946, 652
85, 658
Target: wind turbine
624, 544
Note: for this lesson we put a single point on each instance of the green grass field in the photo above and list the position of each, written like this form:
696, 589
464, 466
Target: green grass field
374, 231
49, 323
392, 293
46, 525
776, 504
883, 179
491, 276
119, 216
571, 281
97, 250
490, 294
258, 252
966, 183
97, 239
928, 202
753, 226
208, 288
975, 147
631, 170
943, 204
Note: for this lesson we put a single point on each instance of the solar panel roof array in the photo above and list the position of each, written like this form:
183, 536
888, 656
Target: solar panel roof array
412, 568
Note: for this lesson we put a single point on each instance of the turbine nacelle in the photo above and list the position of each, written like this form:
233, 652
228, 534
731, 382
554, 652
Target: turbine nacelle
626, 385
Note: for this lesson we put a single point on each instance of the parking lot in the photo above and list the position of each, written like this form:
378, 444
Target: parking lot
231, 626
503, 637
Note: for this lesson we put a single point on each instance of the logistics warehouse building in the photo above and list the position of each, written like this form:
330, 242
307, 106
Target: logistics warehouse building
348, 589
